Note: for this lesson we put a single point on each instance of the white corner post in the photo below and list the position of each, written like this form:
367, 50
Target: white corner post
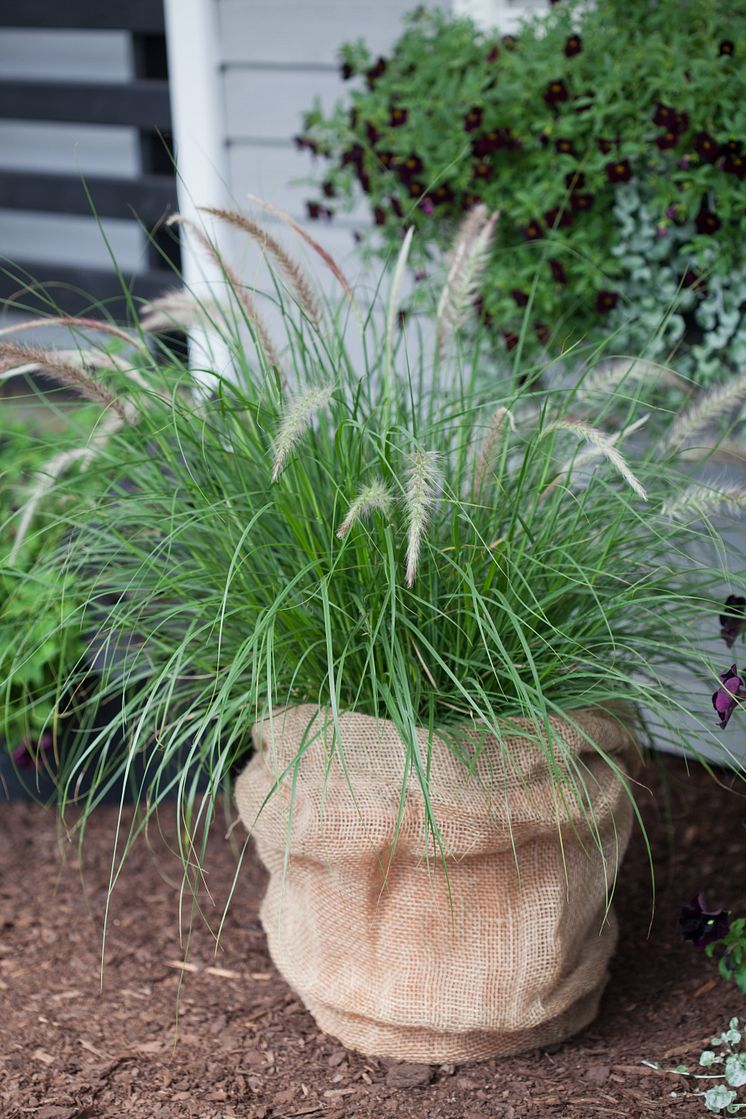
198, 120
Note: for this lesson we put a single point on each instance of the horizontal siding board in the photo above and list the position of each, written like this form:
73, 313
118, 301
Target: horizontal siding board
94, 56
105, 15
148, 198
143, 103
273, 172
63, 239
81, 149
296, 31
269, 103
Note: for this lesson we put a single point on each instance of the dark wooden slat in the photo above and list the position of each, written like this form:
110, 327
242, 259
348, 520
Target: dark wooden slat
142, 104
76, 290
148, 198
93, 15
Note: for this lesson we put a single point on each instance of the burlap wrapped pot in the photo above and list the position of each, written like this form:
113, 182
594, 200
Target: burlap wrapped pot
394, 957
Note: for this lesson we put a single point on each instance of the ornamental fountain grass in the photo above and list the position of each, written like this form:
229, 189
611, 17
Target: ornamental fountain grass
619, 180
435, 600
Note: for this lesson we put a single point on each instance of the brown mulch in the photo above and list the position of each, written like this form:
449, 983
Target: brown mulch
227, 1038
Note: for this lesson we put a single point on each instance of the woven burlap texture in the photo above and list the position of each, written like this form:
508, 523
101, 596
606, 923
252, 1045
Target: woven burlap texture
506, 951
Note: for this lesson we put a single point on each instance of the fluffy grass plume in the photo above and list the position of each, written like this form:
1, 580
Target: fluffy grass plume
604, 444
294, 422
375, 497
424, 482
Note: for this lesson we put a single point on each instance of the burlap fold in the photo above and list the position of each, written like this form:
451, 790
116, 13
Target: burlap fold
393, 955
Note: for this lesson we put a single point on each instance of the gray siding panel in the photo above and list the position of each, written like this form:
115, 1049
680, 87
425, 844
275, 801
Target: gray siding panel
85, 56
300, 32
268, 104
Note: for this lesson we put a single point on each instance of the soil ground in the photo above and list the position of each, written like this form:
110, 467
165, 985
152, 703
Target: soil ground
245, 1047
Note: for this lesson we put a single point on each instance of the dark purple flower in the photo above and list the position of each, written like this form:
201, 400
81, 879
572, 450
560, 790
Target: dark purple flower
30, 757
573, 45
410, 167
533, 231
727, 47
314, 210
690, 279
442, 194
558, 271
543, 332
735, 165
700, 925
372, 133
618, 171
575, 180
520, 297
492, 55
581, 202
473, 118
376, 71
509, 42
379, 215
427, 206
727, 697
396, 206
558, 218
487, 144
420, 275
705, 147
386, 159
707, 221
556, 92
733, 619
469, 201
353, 157
415, 188
664, 116
606, 301
604, 145
346, 71
731, 147
565, 146
511, 339
667, 139
364, 179
681, 122
398, 116
328, 190
481, 169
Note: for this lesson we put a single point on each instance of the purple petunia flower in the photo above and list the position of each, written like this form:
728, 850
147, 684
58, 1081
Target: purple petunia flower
473, 118
733, 619
558, 271
398, 116
705, 147
565, 146
581, 201
533, 231
376, 71
511, 339
727, 47
606, 301
667, 139
573, 45
735, 165
30, 757
700, 925
555, 92
618, 171
707, 221
727, 697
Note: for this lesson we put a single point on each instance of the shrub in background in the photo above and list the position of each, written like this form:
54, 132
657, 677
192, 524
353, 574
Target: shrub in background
609, 136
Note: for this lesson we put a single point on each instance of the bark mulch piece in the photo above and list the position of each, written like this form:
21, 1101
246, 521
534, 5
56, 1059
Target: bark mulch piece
177, 1033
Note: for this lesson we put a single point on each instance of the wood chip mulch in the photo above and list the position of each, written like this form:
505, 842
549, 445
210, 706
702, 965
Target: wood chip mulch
178, 1030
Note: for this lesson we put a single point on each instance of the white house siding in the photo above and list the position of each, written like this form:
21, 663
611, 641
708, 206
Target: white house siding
77, 149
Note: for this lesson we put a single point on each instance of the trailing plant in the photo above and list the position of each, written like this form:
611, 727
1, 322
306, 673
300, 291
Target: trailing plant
720, 935
373, 519
610, 137
31, 689
724, 1062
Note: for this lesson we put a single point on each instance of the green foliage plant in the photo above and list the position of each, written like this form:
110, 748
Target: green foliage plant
371, 517
610, 136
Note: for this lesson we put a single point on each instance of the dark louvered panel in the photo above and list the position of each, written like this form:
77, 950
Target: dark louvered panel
140, 103
148, 198
32, 287
144, 16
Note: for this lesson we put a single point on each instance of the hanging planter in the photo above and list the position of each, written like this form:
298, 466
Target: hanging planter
492, 940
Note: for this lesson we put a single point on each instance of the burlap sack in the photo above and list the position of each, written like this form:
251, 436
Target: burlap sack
505, 952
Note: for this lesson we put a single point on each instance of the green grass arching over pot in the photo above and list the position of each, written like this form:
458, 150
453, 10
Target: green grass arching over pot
610, 136
401, 533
